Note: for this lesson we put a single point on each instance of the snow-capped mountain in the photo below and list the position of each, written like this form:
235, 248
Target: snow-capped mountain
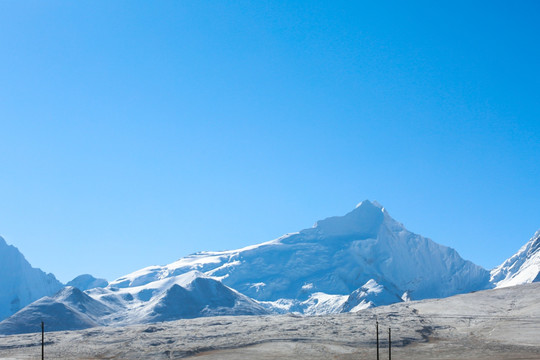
184, 296
20, 283
337, 256
522, 268
69, 309
342, 264
86, 282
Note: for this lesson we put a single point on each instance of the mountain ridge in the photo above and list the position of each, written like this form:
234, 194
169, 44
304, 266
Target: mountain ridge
346, 263
20, 283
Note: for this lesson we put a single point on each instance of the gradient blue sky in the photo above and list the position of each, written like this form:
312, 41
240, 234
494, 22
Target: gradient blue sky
134, 133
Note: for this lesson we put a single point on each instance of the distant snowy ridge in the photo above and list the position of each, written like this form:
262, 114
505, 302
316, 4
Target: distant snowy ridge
182, 297
521, 268
20, 283
69, 309
86, 282
369, 295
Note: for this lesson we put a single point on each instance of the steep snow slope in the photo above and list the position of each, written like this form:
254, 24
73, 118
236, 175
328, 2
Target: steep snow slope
369, 295
86, 282
522, 268
337, 256
20, 283
69, 309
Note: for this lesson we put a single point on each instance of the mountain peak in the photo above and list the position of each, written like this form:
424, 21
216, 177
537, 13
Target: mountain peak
363, 221
87, 282
4, 245
336, 256
369, 203
363, 202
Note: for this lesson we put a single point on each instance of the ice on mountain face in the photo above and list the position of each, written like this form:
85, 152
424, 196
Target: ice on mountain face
20, 283
369, 295
316, 304
405, 297
321, 303
521, 268
69, 309
86, 282
337, 256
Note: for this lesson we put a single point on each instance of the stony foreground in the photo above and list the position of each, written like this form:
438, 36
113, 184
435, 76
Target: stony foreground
493, 324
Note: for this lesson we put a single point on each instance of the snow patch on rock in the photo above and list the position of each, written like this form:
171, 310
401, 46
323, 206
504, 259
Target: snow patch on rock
369, 295
522, 268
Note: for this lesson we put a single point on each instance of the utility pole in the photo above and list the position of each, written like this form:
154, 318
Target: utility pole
377, 327
42, 341
389, 344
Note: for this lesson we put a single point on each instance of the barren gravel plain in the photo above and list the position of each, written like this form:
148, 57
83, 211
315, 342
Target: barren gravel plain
492, 324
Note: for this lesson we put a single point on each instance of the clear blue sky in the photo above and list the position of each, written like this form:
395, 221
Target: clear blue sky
134, 133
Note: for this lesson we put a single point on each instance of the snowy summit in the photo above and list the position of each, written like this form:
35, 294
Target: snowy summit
336, 257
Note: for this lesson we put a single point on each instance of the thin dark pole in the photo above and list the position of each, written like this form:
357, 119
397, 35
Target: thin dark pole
389, 344
42, 341
377, 327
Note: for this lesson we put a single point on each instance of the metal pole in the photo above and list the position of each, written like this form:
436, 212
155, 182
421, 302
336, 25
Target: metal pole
389, 344
377, 327
42, 341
